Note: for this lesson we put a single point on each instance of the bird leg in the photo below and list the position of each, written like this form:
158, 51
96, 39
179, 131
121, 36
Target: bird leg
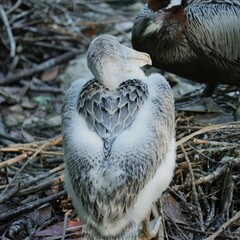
208, 102
237, 112
203, 104
150, 228
209, 90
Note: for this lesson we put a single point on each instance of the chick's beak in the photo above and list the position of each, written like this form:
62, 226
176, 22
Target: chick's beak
138, 58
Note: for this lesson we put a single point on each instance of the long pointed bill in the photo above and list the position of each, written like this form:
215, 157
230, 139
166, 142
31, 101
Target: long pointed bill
139, 59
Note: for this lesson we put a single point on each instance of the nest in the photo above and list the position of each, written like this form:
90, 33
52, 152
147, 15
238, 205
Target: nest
38, 39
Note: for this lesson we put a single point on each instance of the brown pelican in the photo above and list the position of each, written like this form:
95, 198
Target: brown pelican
119, 140
195, 39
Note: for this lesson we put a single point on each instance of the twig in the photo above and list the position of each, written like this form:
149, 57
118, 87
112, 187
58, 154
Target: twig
25, 185
52, 46
39, 68
205, 202
22, 149
49, 38
227, 192
208, 129
179, 229
64, 226
15, 6
99, 10
9, 32
202, 180
5, 194
16, 148
51, 90
195, 195
99, 23
30, 206
224, 226
11, 161
195, 230
214, 175
214, 143
13, 139
41, 186
218, 172
211, 214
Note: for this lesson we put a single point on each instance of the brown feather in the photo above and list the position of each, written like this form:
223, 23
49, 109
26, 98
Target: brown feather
198, 40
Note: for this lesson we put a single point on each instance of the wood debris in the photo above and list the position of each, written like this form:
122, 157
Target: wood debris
38, 40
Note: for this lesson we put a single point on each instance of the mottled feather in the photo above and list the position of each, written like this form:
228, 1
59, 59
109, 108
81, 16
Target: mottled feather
109, 112
108, 197
119, 143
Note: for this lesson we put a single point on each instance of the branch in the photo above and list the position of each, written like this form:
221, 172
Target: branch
24, 209
224, 226
9, 32
230, 125
39, 68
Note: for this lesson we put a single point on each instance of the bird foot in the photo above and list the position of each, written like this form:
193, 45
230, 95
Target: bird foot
237, 112
150, 229
211, 106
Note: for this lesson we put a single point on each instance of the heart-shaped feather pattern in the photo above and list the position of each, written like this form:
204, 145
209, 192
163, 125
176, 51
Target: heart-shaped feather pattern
109, 112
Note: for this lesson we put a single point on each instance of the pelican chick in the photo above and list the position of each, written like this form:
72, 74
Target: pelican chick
119, 140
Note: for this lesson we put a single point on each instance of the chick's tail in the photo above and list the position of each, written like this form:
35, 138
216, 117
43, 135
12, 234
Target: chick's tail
130, 232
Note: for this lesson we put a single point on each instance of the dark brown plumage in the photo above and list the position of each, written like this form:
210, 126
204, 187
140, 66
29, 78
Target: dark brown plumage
195, 39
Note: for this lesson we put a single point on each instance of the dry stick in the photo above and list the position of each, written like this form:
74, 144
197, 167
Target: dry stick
207, 129
46, 89
49, 38
212, 149
14, 7
54, 181
9, 32
163, 221
57, 169
39, 68
5, 191
205, 201
214, 175
50, 153
195, 230
16, 147
28, 151
214, 143
64, 226
23, 149
53, 46
179, 229
23, 209
195, 195
202, 180
218, 172
42, 186
11, 161
13, 139
224, 226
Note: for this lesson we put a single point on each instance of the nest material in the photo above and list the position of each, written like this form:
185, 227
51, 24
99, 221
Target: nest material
202, 201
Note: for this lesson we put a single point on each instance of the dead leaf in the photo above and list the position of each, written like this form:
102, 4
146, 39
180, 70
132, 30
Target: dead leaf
172, 209
50, 74
57, 229
41, 215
